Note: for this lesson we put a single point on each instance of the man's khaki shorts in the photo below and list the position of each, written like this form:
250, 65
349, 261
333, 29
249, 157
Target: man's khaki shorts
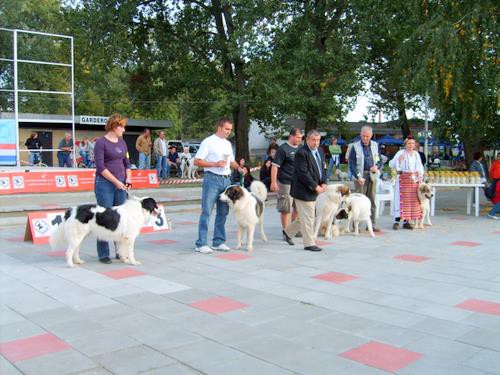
285, 200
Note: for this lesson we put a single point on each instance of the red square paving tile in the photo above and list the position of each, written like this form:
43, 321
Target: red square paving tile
234, 256
123, 273
412, 258
335, 277
466, 243
56, 254
382, 356
477, 305
218, 305
19, 350
162, 242
496, 232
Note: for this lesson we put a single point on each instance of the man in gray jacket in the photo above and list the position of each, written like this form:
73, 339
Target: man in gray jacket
364, 160
160, 150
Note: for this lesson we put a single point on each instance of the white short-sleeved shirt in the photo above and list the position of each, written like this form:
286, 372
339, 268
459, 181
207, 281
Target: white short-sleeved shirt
215, 148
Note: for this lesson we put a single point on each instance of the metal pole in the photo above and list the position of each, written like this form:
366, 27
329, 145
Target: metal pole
16, 101
426, 143
73, 105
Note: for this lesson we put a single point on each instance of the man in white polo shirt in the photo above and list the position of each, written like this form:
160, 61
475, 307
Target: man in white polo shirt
215, 156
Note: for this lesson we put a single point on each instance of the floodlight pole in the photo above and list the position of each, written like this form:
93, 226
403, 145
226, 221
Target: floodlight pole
426, 143
16, 100
73, 104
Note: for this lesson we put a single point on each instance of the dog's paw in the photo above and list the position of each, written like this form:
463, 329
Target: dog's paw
250, 249
264, 238
71, 265
125, 260
135, 263
79, 261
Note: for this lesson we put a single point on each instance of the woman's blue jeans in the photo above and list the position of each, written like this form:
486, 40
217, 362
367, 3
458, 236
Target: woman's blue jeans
213, 185
107, 195
495, 210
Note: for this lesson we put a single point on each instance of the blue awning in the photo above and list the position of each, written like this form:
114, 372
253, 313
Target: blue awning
388, 140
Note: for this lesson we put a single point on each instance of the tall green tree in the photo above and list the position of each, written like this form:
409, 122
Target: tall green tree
311, 70
453, 55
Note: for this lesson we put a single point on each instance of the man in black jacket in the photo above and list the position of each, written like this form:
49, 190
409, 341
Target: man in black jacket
309, 180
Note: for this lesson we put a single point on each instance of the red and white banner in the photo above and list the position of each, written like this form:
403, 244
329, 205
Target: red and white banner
60, 180
41, 225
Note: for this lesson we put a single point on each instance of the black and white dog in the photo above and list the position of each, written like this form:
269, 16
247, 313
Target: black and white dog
121, 224
248, 209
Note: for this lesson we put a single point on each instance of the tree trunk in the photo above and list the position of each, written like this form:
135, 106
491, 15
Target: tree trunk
240, 118
402, 119
311, 122
470, 147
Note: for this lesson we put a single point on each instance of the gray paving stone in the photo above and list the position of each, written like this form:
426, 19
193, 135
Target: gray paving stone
65, 362
155, 284
436, 366
347, 323
53, 316
486, 360
390, 334
7, 368
165, 338
95, 371
203, 354
175, 369
19, 330
482, 338
133, 360
8, 316
101, 342
324, 338
443, 348
442, 328
70, 329
246, 365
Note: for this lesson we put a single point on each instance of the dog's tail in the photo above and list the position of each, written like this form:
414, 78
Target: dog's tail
57, 239
259, 189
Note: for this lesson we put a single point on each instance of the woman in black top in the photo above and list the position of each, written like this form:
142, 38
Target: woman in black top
33, 143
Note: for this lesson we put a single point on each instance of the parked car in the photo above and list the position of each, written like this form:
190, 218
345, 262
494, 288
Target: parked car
193, 148
179, 145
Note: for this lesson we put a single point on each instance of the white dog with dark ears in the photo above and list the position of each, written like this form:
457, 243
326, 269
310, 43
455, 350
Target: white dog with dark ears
424, 196
327, 206
121, 224
248, 208
356, 208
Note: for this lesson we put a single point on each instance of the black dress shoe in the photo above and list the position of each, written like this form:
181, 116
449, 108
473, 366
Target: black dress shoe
408, 226
105, 260
313, 248
288, 239
395, 226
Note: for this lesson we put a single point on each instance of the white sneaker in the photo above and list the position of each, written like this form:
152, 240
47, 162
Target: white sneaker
204, 249
493, 217
221, 247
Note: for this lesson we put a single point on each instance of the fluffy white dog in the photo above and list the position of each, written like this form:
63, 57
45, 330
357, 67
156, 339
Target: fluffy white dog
327, 206
356, 208
248, 208
424, 196
121, 224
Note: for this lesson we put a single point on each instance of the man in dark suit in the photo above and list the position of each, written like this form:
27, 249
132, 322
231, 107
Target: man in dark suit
309, 180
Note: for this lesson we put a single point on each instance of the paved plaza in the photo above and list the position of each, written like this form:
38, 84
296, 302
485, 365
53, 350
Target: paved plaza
406, 302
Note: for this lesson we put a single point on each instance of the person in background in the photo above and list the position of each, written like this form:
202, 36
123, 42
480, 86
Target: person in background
65, 148
33, 143
247, 177
216, 157
173, 160
265, 171
84, 152
113, 175
91, 144
160, 150
272, 146
410, 170
423, 158
309, 181
143, 146
335, 152
364, 159
477, 165
237, 177
282, 171
495, 177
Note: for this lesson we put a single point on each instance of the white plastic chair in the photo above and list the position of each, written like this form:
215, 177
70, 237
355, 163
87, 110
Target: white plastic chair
385, 193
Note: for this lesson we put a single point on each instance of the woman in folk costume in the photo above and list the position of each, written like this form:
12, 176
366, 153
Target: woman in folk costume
410, 172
